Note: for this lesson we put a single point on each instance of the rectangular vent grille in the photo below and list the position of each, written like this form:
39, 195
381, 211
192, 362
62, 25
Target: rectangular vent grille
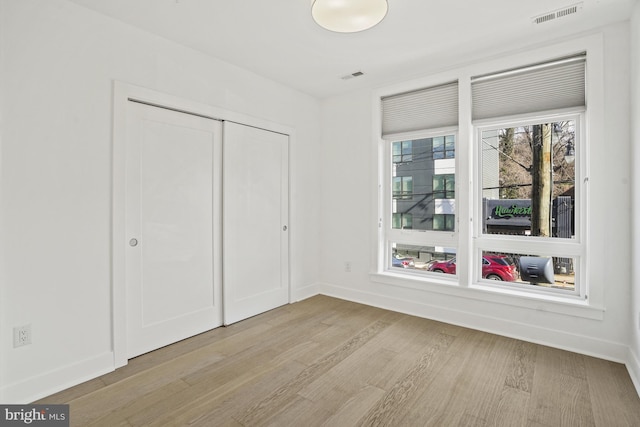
556, 14
545, 18
568, 11
352, 75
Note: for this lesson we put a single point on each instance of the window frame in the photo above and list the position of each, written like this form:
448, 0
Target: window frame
592, 307
544, 246
391, 236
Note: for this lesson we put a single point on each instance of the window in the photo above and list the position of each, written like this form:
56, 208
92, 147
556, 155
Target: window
528, 179
402, 151
422, 259
522, 184
444, 222
529, 192
402, 220
444, 186
402, 187
419, 131
444, 147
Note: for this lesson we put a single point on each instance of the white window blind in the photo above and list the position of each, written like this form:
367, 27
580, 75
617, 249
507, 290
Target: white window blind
428, 108
542, 87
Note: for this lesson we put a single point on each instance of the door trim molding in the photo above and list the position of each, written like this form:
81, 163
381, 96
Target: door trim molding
122, 94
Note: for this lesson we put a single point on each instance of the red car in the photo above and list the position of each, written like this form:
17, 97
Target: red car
494, 267
398, 260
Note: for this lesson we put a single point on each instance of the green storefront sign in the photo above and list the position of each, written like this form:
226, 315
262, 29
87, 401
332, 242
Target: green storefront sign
511, 211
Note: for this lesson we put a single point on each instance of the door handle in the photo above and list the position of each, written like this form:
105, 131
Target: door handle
133, 242
284, 228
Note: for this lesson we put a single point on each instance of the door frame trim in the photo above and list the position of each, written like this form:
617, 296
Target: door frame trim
122, 94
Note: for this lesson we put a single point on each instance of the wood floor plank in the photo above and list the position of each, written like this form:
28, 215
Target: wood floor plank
435, 403
481, 378
300, 412
510, 409
360, 366
250, 355
355, 407
409, 338
508, 404
368, 364
522, 367
340, 332
282, 396
144, 382
170, 352
219, 379
560, 392
391, 409
329, 362
74, 392
613, 397
133, 406
217, 385
209, 407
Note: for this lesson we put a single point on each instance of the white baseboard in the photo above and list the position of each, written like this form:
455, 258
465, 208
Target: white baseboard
633, 366
586, 345
304, 293
40, 386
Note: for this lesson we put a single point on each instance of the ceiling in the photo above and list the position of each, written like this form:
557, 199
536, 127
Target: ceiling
279, 40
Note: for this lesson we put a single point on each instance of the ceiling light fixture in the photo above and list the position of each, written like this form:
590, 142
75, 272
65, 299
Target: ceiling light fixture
348, 16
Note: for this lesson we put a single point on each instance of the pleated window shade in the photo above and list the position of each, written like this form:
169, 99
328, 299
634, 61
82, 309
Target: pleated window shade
423, 109
542, 87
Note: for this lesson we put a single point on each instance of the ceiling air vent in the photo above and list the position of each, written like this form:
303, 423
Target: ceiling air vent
556, 14
352, 75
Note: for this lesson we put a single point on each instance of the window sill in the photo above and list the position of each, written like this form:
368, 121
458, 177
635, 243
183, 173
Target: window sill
565, 305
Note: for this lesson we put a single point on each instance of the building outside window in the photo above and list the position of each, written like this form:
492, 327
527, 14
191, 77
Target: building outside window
444, 222
444, 147
403, 187
444, 186
403, 221
402, 151
419, 185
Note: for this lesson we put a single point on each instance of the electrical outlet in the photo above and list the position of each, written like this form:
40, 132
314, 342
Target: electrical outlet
21, 336
347, 266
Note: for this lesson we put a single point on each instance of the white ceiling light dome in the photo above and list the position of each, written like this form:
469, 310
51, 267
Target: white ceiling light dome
348, 16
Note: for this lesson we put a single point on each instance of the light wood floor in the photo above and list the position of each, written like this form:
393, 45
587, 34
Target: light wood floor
328, 362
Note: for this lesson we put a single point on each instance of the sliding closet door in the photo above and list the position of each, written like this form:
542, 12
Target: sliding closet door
173, 226
255, 217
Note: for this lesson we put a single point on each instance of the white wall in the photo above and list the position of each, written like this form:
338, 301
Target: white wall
58, 64
349, 220
634, 357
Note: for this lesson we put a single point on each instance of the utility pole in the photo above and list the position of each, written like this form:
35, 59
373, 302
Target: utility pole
541, 180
